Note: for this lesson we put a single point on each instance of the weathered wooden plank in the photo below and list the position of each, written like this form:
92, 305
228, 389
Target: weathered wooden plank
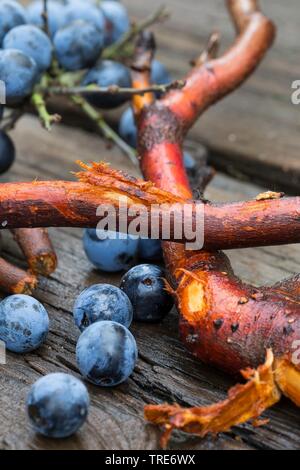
165, 371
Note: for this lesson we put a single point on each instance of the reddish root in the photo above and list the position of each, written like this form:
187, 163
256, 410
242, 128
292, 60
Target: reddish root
14, 280
62, 203
37, 249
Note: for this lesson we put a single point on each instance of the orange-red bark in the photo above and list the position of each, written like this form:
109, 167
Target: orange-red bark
216, 78
74, 204
38, 250
14, 280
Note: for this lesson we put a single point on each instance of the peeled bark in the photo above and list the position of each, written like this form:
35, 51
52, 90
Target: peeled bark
267, 220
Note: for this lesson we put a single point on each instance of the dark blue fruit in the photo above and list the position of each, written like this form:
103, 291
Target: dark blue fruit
107, 254
33, 42
19, 73
78, 45
106, 353
102, 302
78, 10
104, 74
7, 152
11, 14
24, 323
57, 405
159, 73
150, 250
189, 161
117, 21
145, 288
127, 128
55, 15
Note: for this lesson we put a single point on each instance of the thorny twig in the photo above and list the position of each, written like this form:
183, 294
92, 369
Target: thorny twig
112, 89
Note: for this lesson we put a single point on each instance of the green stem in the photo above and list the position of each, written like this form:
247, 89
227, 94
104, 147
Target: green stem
39, 103
105, 129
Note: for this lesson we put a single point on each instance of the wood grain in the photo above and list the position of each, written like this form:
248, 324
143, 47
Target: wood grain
165, 371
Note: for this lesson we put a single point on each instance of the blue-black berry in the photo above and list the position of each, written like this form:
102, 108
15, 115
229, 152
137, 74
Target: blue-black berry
106, 353
102, 302
145, 287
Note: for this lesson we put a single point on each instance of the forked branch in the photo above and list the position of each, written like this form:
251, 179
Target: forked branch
210, 81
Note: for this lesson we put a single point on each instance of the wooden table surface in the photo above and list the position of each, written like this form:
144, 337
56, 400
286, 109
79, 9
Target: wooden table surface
264, 122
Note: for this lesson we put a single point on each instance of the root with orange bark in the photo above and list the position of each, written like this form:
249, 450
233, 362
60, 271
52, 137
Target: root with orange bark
264, 221
40, 256
223, 321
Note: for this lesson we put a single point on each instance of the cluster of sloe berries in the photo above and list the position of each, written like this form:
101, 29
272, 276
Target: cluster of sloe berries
78, 32
106, 350
76, 36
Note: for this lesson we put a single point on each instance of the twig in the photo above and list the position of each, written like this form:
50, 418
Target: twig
112, 89
14, 280
45, 17
210, 52
67, 79
141, 70
105, 129
116, 49
38, 250
47, 119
